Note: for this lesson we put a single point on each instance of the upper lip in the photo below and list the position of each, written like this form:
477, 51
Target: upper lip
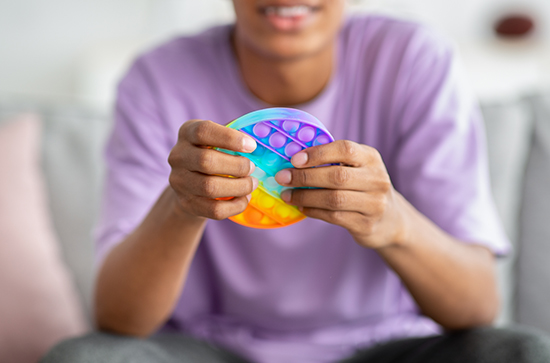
312, 4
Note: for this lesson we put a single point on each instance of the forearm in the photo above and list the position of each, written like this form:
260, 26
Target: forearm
142, 277
452, 282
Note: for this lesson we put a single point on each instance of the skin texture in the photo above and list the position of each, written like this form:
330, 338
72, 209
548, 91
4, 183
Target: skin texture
295, 64
142, 278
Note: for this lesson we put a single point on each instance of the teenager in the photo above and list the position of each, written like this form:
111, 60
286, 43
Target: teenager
400, 244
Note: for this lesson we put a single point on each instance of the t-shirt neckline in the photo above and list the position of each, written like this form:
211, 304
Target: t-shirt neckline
237, 83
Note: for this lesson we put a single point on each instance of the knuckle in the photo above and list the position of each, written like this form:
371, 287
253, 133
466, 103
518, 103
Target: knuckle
244, 166
349, 148
242, 186
383, 185
217, 212
243, 206
386, 185
210, 188
300, 177
340, 176
375, 154
173, 158
187, 129
173, 181
182, 132
249, 185
337, 200
381, 205
201, 130
205, 160
338, 217
177, 183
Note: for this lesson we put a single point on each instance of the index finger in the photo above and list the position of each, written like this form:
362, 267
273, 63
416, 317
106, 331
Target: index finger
208, 133
342, 151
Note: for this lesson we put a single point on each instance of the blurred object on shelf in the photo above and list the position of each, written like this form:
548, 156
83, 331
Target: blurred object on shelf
514, 25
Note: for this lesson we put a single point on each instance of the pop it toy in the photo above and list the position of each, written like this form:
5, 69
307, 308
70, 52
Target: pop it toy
279, 134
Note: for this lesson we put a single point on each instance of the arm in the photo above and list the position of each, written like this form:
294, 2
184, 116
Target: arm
142, 277
452, 282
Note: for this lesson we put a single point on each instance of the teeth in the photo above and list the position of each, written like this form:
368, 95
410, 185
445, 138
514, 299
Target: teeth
288, 11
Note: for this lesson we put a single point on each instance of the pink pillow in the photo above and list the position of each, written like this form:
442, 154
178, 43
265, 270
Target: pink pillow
38, 304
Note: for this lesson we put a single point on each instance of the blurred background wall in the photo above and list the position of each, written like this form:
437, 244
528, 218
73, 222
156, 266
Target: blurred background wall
67, 49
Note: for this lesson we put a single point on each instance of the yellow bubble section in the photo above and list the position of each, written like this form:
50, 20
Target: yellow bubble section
265, 211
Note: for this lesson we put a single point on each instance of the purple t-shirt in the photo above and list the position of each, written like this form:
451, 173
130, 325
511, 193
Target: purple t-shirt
308, 292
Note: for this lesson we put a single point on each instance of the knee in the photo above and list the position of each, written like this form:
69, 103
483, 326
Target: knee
529, 346
517, 345
95, 347
72, 350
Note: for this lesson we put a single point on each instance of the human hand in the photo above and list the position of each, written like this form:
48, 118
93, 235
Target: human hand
199, 172
357, 195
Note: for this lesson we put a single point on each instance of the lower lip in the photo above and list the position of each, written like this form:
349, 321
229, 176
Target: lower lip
290, 24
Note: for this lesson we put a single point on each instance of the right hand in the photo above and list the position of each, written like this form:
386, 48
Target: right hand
197, 170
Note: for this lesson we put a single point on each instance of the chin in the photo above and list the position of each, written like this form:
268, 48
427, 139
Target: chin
288, 48
290, 51
288, 29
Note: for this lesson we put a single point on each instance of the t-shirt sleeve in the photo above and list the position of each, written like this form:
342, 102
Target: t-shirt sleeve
136, 158
440, 164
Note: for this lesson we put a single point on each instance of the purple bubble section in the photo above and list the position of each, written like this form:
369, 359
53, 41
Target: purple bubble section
261, 130
292, 148
277, 140
306, 134
291, 126
321, 140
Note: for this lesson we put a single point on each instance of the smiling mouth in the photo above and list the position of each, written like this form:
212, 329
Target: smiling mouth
289, 18
295, 11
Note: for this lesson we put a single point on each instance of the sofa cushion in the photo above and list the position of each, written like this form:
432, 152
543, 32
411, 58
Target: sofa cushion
533, 284
38, 304
509, 127
72, 143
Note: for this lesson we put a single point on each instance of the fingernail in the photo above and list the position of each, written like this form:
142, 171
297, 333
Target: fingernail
299, 159
249, 197
252, 168
254, 183
283, 177
286, 195
249, 144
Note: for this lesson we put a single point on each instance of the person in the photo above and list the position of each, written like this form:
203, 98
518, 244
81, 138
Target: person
396, 260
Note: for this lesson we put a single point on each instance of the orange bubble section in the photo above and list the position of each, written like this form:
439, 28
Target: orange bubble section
265, 211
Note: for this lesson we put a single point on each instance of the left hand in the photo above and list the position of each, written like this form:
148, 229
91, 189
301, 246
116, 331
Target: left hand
357, 194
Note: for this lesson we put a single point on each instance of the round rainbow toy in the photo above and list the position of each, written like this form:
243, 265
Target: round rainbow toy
279, 134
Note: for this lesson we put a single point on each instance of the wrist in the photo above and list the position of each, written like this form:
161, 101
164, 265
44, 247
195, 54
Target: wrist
402, 226
402, 235
410, 230
178, 211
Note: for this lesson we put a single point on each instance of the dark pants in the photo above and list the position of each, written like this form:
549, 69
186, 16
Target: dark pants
484, 345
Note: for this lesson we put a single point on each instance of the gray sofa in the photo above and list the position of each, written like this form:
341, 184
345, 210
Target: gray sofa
518, 134
73, 139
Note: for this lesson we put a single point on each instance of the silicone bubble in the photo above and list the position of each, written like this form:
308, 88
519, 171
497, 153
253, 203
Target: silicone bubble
279, 134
